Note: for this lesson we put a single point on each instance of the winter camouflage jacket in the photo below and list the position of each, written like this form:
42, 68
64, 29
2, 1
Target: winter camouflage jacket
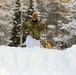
34, 28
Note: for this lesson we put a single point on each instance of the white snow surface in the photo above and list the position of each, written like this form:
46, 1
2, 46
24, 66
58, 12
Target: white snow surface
37, 61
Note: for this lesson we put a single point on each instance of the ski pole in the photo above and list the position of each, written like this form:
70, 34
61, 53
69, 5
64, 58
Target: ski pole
21, 39
21, 35
45, 39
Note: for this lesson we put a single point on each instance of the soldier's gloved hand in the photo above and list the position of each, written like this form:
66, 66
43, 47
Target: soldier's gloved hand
48, 45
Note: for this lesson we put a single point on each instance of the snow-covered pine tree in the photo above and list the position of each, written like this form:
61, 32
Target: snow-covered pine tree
15, 34
42, 9
6, 13
69, 30
30, 10
57, 14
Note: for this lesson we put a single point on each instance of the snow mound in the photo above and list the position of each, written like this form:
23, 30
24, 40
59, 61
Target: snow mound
37, 61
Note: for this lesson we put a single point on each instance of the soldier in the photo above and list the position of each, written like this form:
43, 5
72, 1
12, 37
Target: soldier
34, 28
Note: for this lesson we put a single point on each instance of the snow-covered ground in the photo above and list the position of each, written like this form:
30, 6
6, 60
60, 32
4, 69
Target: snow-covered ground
37, 61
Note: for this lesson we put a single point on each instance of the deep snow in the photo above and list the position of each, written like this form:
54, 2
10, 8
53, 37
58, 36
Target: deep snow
37, 61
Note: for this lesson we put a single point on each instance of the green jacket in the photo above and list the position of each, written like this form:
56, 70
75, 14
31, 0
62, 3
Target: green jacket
34, 28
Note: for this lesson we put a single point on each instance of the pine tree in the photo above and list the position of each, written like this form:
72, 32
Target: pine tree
16, 25
57, 14
30, 10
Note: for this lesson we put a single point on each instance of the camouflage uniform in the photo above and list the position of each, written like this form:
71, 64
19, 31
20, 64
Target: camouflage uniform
34, 29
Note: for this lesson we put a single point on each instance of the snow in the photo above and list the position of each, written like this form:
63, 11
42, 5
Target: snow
1, 33
71, 27
51, 26
71, 4
37, 61
62, 38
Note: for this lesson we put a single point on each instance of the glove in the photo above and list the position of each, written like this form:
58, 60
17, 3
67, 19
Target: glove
48, 45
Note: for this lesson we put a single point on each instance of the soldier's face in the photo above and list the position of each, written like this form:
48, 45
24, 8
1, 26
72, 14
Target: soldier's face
34, 19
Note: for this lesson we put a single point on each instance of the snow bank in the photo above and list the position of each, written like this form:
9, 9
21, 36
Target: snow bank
37, 61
